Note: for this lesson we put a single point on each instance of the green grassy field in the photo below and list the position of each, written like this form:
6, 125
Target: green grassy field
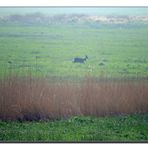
123, 128
49, 51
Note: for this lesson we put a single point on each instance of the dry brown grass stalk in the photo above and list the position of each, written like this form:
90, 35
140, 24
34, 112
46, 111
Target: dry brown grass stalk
35, 99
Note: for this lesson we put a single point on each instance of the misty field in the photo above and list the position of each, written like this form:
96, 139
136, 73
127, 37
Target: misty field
48, 51
46, 96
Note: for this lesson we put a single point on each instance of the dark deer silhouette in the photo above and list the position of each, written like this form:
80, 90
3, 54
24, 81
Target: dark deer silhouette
80, 60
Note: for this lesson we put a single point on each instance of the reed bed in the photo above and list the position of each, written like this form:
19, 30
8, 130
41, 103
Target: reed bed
39, 99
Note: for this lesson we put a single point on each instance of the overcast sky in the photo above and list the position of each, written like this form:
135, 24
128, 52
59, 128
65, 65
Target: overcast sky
77, 10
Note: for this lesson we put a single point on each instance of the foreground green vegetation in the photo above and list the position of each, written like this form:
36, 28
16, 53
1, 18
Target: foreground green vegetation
122, 128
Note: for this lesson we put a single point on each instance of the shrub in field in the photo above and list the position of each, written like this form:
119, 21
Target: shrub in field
39, 99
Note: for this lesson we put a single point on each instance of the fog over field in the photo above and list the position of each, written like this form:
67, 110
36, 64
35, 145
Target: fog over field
73, 18
75, 15
49, 38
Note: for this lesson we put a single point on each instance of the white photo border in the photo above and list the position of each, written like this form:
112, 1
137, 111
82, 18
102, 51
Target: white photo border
84, 3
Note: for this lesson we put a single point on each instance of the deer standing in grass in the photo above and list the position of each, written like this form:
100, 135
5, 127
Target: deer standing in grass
80, 60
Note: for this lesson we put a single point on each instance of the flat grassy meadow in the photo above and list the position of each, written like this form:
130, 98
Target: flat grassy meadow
49, 51
46, 95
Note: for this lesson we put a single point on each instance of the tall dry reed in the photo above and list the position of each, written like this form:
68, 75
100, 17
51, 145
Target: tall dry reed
35, 99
